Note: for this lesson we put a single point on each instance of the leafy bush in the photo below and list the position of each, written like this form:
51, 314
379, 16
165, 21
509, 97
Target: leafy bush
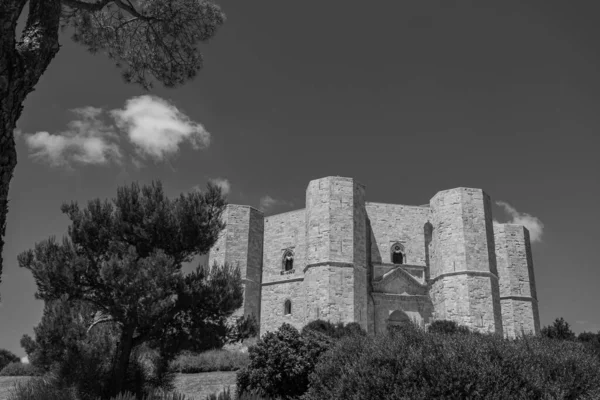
19, 369
208, 361
447, 327
415, 364
39, 389
281, 362
560, 330
156, 395
335, 331
226, 395
7, 357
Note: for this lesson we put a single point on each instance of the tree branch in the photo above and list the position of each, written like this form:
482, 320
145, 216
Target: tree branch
131, 10
81, 5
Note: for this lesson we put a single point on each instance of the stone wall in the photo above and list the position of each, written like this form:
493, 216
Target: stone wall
283, 232
274, 296
240, 245
335, 277
463, 272
518, 296
391, 223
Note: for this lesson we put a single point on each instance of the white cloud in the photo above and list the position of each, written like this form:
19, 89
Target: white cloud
25, 360
223, 183
533, 224
157, 128
154, 127
267, 203
87, 140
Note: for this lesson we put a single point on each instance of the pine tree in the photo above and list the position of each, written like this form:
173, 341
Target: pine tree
123, 259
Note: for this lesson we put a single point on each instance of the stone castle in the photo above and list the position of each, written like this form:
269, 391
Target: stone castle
343, 259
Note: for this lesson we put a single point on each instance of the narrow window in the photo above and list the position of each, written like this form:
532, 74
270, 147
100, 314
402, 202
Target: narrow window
288, 261
287, 307
397, 254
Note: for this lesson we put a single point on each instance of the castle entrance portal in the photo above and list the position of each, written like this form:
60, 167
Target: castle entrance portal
398, 318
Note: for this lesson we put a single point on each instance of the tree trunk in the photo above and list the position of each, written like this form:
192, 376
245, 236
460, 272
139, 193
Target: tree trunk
22, 63
123, 354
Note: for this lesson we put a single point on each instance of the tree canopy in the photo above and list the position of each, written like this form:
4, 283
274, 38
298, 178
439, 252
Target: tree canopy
124, 257
150, 40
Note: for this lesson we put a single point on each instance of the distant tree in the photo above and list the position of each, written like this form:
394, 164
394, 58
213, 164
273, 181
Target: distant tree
7, 357
560, 329
149, 39
123, 258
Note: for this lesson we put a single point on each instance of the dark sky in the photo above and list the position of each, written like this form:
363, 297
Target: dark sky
408, 97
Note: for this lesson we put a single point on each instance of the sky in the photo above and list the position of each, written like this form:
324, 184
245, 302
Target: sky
409, 98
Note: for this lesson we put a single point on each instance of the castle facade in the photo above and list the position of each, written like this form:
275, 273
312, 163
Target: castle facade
343, 259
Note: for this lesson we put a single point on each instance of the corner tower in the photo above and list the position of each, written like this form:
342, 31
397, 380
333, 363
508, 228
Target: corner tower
335, 275
241, 244
463, 272
518, 297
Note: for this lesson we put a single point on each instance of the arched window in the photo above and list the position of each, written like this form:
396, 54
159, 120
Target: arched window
288, 260
287, 307
397, 255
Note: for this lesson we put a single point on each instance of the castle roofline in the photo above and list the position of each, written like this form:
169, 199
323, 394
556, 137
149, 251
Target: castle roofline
394, 204
345, 178
286, 212
244, 206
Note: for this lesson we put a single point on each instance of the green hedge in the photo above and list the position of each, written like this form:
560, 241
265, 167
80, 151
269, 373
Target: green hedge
413, 364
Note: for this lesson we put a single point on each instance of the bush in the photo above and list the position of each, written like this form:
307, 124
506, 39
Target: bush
335, 331
38, 389
19, 369
447, 327
156, 395
281, 362
559, 330
7, 357
208, 361
226, 395
418, 365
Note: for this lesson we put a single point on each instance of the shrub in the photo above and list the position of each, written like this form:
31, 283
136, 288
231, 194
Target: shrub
7, 357
208, 361
559, 329
414, 364
19, 369
226, 395
335, 331
38, 389
156, 395
447, 327
281, 362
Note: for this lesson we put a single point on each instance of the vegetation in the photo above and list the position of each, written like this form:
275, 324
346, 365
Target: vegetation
113, 288
7, 357
19, 369
208, 361
226, 395
281, 361
419, 365
444, 326
560, 330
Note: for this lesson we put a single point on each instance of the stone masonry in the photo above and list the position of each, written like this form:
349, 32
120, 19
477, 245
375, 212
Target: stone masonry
347, 260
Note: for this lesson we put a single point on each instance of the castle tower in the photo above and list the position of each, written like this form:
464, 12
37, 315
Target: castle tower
463, 273
241, 244
335, 275
518, 297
